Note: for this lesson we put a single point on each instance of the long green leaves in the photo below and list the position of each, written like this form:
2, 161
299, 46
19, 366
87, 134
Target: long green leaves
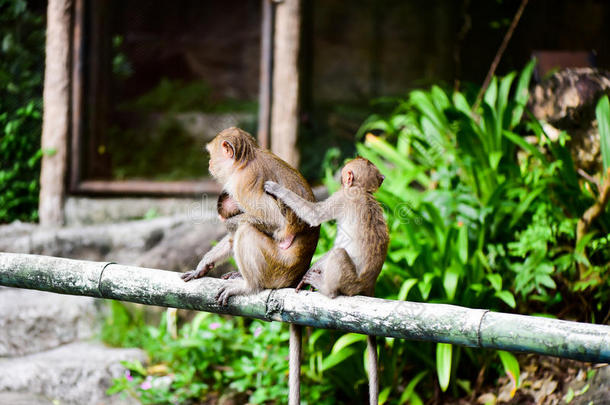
443, 364
478, 215
602, 112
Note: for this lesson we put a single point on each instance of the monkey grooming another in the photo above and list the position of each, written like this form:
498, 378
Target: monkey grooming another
264, 261
359, 251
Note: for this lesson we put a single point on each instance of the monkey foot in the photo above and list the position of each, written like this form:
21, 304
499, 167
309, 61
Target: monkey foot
230, 289
225, 292
286, 243
231, 275
312, 277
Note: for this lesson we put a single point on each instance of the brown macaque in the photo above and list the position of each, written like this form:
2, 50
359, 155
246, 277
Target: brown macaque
353, 264
227, 207
272, 247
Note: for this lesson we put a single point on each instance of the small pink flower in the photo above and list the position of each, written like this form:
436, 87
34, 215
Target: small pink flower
146, 385
214, 325
258, 331
128, 376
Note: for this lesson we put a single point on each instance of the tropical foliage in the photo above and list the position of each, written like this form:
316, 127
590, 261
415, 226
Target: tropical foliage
482, 208
21, 69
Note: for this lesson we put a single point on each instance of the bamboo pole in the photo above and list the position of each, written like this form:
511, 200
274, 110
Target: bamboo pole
359, 314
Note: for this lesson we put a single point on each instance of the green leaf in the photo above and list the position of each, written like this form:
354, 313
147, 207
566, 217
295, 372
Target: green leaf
602, 112
545, 280
507, 297
425, 285
410, 389
511, 367
420, 100
405, 288
384, 395
135, 365
443, 364
522, 93
491, 93
49, 151
463, 244
569, 396
335, 358
524, 205
450, 281
346, 340
496, 281
460, 102
523, 144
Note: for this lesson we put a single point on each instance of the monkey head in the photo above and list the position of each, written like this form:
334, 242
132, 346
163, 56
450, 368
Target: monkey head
231, 149
227, 206
361, 173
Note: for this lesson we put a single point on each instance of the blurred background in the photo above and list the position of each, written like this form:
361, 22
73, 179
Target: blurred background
487, 181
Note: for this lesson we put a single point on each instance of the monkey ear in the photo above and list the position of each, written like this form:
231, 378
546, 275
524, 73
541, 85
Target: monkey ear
228, 149
381, 178
349, 178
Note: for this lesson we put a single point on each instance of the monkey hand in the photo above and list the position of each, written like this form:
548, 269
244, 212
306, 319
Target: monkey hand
202, 269
271, 187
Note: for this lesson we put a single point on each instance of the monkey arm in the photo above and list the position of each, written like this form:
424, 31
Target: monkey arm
218, 254
312, 213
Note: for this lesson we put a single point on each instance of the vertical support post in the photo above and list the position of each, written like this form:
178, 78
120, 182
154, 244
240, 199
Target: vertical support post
56, 113
77, 94
285, 108
266, 75
294, 365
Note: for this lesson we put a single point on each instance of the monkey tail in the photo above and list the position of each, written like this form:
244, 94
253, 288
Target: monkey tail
371, 343
294, 365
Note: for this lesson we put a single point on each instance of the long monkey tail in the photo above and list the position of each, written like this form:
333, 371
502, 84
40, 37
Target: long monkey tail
371, 343
294, 378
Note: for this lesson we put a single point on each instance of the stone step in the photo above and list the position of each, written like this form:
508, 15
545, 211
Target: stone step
34, 321
77, 373
23, 398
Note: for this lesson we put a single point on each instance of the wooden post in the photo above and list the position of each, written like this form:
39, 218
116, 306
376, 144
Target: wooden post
285, 108
56, 115
266, 75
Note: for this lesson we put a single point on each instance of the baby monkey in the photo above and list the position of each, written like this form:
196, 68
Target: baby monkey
353, 264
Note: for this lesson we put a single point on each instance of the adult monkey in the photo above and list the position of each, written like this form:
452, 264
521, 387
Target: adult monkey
272, 247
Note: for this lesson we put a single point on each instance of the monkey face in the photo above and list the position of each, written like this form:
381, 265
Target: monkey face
360, 172
232, 148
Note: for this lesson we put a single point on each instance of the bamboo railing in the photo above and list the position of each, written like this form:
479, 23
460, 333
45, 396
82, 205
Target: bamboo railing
366, 315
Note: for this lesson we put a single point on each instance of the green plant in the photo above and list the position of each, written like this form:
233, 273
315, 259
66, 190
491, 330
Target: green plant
21, 67
602, 113
478, 216
211, 356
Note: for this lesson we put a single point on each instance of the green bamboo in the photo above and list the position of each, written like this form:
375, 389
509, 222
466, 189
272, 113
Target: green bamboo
366, 315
